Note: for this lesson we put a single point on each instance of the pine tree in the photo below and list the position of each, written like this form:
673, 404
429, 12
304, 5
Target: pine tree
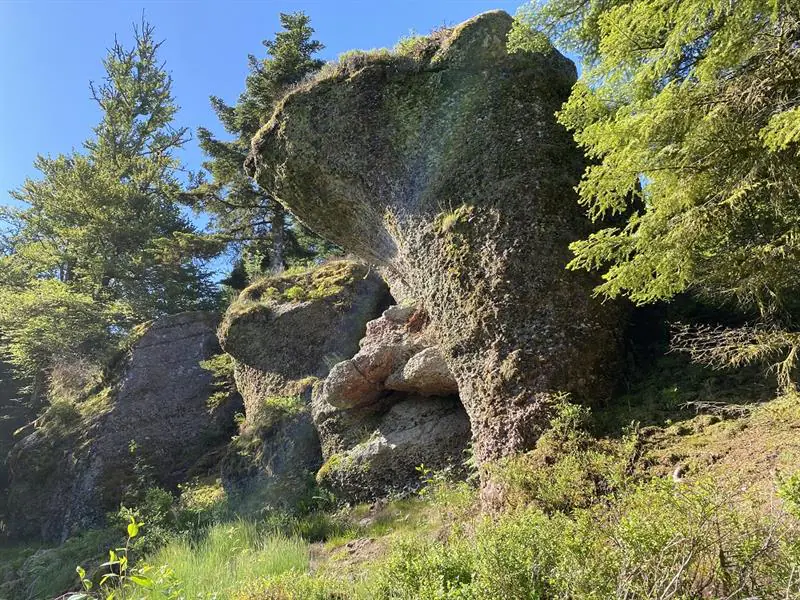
100, 242
264, 234
690, 109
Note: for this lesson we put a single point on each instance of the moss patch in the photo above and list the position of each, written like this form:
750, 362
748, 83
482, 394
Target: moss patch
299, 285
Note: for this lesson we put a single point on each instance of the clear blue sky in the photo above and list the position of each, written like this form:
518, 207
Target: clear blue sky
49, 51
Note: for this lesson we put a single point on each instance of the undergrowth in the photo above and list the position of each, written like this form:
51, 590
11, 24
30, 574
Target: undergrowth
579, 522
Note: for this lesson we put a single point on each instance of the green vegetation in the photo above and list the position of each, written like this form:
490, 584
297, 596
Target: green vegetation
229, 558
264, 236
299, 284
100, 244
688, 112
593, 511
221, 368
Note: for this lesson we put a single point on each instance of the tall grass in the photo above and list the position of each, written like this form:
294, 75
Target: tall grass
229, 558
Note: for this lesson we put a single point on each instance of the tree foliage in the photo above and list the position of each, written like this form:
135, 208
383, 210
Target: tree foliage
689, 111
99, 242
263, 233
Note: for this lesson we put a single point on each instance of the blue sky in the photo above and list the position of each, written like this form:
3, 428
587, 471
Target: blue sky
49, 51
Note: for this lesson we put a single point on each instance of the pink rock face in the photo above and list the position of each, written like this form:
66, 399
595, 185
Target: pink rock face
391, 358
390, 408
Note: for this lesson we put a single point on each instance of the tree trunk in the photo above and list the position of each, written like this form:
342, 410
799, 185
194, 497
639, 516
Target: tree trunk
278, 238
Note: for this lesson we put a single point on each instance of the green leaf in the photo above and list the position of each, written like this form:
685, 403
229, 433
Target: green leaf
144, 582
133, 528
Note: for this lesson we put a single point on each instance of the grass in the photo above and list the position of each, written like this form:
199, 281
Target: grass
230, 558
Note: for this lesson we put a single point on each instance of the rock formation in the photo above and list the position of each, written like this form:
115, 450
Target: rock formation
446, 168
153, 426
284, 333
388, 410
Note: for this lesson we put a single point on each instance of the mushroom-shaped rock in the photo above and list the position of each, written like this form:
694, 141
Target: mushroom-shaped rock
447, 169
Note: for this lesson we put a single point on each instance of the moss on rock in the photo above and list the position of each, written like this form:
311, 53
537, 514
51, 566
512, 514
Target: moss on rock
449, 171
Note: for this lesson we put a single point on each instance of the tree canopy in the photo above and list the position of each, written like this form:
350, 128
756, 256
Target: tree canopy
264, 234
689, 112
100, 242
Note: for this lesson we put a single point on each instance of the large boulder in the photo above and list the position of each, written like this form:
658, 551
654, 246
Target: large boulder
446, 168
284, 333
392, 407
153, 426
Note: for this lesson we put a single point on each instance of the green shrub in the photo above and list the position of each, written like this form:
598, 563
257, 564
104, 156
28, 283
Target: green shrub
156, 508
569, 468
47, 572
657, 540
201, 504
418, 570
295, 294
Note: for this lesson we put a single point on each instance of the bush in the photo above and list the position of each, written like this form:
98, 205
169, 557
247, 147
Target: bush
47, 572
156, 508
658, 540
569, 468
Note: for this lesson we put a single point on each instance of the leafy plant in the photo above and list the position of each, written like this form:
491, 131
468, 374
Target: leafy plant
123, 581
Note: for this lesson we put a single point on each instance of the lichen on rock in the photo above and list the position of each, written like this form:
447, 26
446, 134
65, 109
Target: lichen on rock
450, 173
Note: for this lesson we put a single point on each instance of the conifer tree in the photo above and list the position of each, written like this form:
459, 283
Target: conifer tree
689, 112
265, 235
100, 243
692, 106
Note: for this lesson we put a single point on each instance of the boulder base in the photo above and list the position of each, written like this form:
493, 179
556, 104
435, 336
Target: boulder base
390, 409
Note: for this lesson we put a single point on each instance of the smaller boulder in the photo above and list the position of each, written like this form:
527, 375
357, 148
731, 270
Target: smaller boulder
283, 333
388, 410
154, 417
425, 373
347, 387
